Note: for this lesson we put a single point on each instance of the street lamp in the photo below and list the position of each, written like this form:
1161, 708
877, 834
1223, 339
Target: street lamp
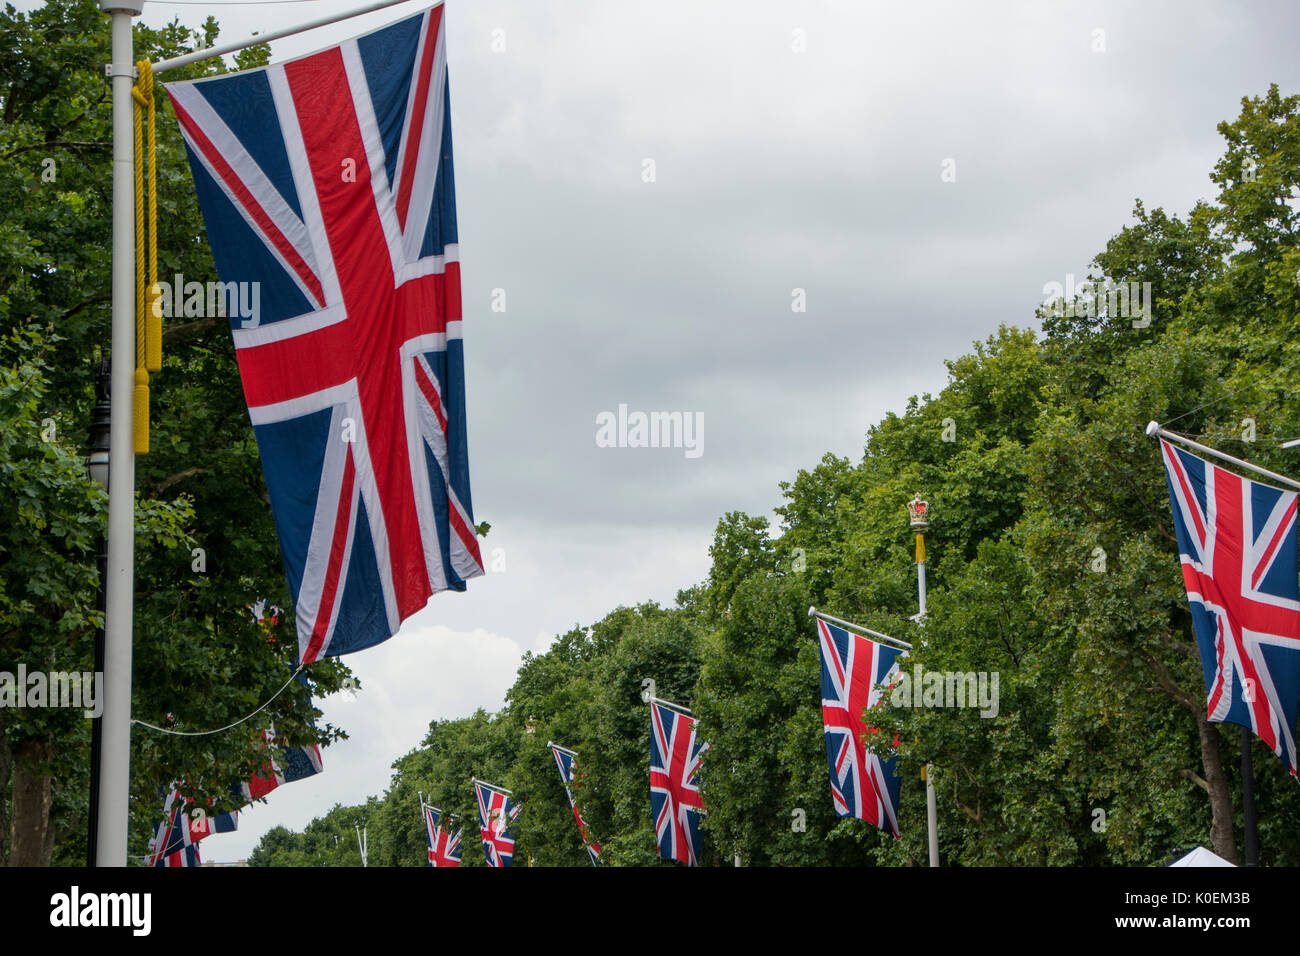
101, 418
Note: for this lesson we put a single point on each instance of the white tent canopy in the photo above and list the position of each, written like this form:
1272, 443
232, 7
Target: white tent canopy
1201, 857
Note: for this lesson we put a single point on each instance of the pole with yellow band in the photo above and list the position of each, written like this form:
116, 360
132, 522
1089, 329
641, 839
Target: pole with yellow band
148, 322
919, 513
918, 510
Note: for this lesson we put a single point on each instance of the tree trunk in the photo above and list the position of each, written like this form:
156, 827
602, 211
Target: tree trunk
31, 842
1216, 784
6, 768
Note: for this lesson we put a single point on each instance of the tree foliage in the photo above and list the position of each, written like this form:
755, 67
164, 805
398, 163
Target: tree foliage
205, 544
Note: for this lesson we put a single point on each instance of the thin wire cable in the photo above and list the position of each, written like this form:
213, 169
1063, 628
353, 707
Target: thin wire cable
205, 733
1224, 398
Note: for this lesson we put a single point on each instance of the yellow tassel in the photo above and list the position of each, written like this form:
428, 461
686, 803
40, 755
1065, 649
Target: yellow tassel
141, 412
920, 548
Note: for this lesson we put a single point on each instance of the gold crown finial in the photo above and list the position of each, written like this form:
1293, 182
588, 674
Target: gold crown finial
919, 511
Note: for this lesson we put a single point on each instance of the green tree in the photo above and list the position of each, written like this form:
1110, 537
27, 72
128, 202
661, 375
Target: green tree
205, 542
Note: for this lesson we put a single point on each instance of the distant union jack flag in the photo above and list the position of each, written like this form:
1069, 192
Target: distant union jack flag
566, 760
1237, 543
675, 802
182, 829
444, 848
186, 856
496, 813
863, 785
286, 765
327, 183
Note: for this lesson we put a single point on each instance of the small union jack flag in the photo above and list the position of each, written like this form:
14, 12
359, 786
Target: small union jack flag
327, 189
675, 802
444, 848
496, 813
855, 672
182, 829
186, 856
1238, 546
264, 615
285, 766
566, 760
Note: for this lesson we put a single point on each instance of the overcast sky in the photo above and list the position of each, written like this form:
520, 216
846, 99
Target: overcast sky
794, 146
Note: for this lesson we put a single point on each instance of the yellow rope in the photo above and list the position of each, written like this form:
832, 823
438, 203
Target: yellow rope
153, 325
148, 321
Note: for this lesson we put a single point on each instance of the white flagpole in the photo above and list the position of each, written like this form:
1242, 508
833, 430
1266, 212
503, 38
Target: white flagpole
225, 48
920, 590
1154, 429
932, 814
813, 612
919, 512
671, 706
115, 759
492, 786
931, 797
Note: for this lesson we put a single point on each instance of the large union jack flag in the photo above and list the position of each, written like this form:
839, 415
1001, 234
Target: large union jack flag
566, 760
444, 847
496, 813
675, 801
855, 672
1237, 543
326, 185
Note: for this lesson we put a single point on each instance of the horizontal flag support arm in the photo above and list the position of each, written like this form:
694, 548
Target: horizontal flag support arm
238, 45
813, 612
1154, 429
668, 703
554, 746
491, 786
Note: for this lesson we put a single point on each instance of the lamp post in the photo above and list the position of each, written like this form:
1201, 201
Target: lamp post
101, 418
919, 512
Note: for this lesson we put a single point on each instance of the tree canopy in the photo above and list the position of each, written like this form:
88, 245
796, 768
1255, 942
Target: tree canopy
205, 544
